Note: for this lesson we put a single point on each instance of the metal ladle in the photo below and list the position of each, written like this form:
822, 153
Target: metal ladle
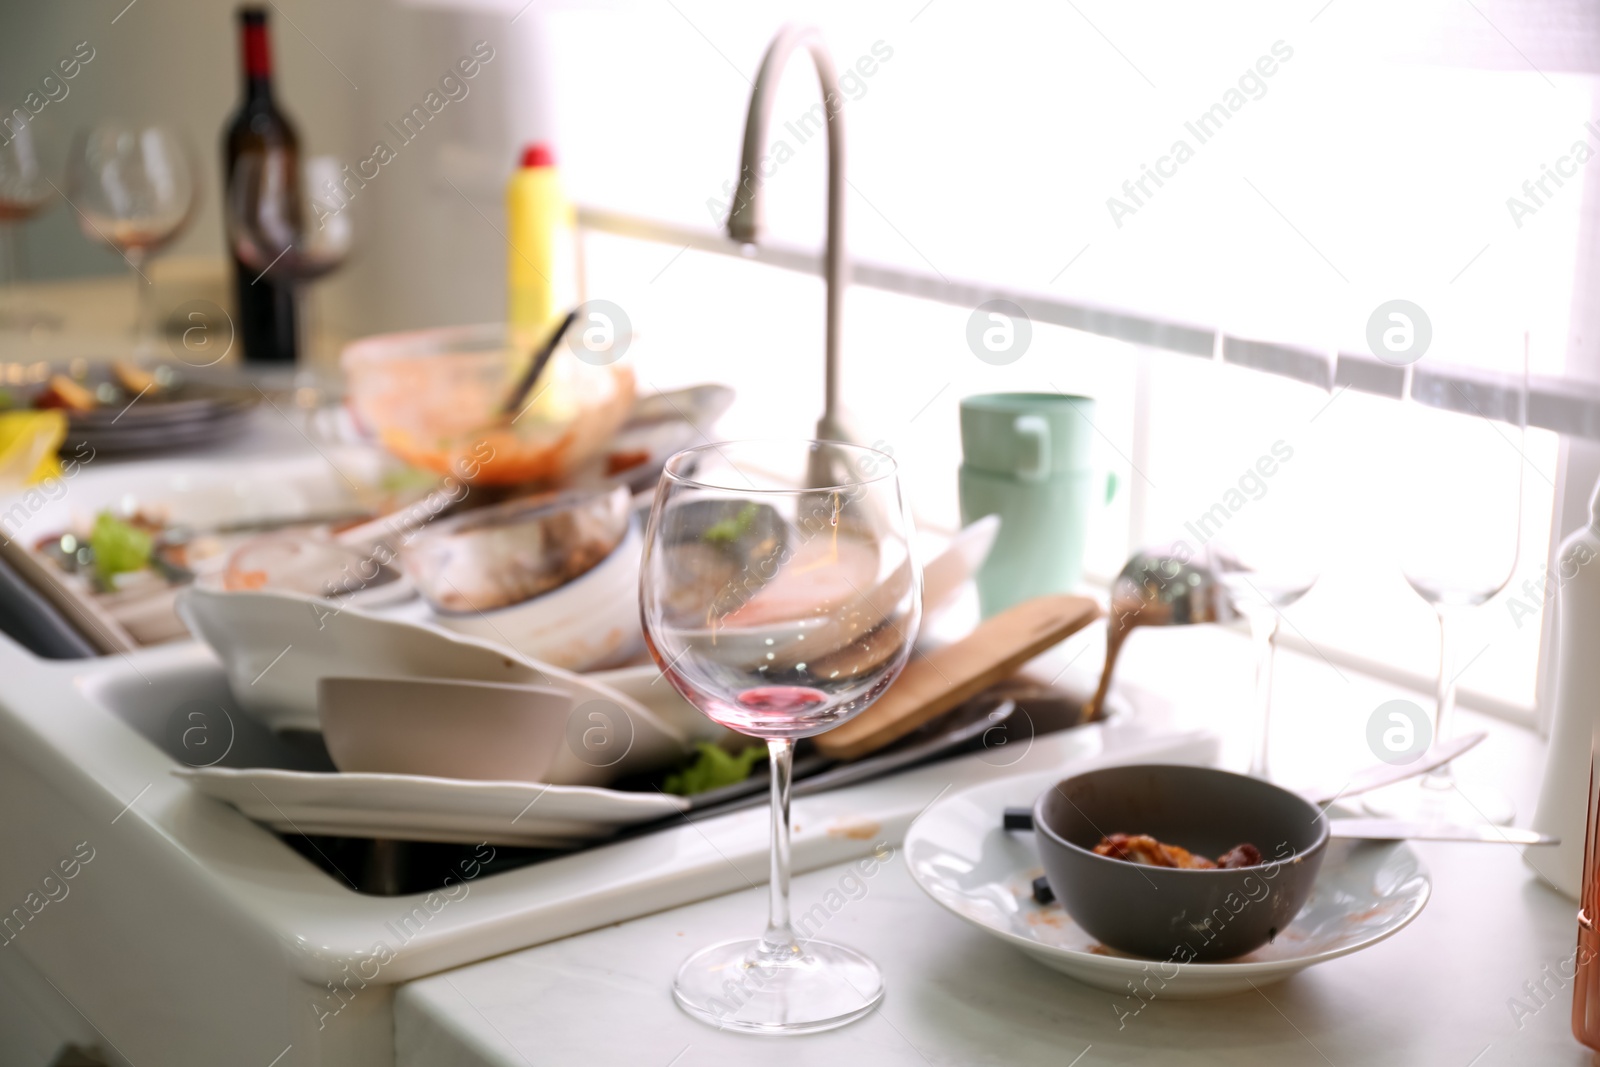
1158, 587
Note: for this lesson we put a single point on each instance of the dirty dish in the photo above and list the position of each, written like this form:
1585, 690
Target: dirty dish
276, 646
960, 856
1178, 912
413, 808
443, 728
433, 399
555, 576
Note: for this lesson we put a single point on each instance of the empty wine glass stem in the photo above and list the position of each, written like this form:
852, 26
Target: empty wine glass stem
8, 254
302, 324
142, 339
1264, 634
9, 260
778, 944
1444, 693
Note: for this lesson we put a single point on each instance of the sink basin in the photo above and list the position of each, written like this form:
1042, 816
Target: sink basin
243, 944
236, 936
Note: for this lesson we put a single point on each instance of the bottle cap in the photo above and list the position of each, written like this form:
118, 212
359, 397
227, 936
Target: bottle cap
538, 155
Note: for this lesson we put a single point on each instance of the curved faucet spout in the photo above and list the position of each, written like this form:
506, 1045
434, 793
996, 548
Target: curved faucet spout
745, 218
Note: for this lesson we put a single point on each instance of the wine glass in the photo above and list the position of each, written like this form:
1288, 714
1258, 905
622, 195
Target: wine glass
1459, 541
1263, 569
780, 602
134, 189
268, 228
25, 191
1271, 536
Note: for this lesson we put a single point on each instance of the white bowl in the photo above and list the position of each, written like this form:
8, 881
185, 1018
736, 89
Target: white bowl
587, 624
276, 646
944, 576
443, 728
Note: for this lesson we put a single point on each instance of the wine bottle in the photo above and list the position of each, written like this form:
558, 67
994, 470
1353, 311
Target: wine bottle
266, 311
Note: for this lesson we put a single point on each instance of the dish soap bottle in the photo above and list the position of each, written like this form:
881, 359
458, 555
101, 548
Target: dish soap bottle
1563, 793
541, 263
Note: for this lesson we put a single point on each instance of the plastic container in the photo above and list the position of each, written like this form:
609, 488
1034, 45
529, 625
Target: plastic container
1563, 798
541, 257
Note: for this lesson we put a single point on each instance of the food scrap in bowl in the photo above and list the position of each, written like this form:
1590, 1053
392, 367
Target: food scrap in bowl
1146, 850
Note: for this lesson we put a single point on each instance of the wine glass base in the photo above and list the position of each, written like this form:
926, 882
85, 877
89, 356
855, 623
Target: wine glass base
732, 987
1469, 803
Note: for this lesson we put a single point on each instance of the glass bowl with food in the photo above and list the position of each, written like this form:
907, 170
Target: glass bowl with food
436, 398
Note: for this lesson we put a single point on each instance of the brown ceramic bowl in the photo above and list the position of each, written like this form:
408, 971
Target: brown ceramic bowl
1173, 913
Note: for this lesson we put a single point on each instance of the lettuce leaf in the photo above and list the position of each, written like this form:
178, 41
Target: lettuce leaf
713, 768
118, 546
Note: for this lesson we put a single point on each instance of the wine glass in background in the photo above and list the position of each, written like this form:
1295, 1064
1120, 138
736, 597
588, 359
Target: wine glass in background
1459, 536
266, 215
779, 608
1263, 568
134, 189
25, 191
1268, 552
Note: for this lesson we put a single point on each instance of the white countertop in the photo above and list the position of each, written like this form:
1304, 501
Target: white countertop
1440, 992
1435, 994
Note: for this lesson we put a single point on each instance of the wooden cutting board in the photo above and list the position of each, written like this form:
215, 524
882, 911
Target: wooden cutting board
933, 684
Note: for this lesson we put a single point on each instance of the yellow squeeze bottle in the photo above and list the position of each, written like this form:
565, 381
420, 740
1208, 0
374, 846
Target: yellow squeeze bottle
541, 274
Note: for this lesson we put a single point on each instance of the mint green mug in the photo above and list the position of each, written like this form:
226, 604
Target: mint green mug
1029, 458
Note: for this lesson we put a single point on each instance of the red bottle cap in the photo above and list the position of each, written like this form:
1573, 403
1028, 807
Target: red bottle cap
538, 155
257, 50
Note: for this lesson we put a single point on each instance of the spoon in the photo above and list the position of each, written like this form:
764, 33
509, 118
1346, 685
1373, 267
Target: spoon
514, 399
1156, 588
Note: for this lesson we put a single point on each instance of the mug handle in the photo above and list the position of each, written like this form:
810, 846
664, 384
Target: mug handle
1036, 429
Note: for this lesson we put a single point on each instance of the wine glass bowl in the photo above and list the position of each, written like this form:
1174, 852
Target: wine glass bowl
25, 191
779, 607
796, 619
134, 190
266, 218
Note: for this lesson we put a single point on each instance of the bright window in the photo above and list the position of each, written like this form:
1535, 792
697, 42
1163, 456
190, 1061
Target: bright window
1336, 157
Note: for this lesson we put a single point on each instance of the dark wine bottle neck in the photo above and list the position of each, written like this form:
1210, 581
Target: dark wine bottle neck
257, 89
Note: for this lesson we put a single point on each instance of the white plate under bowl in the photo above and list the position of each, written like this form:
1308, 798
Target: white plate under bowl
414, 808
959, 855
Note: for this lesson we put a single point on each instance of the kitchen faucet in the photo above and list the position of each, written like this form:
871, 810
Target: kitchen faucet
745, 218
